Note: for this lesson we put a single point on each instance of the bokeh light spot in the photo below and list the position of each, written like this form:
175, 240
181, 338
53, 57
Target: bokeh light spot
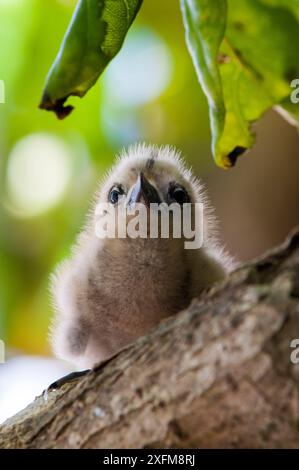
141, 71
38, 173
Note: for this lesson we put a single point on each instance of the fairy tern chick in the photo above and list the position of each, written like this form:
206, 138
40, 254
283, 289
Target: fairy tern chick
112, 290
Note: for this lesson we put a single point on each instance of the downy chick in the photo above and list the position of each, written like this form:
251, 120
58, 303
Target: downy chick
111, 291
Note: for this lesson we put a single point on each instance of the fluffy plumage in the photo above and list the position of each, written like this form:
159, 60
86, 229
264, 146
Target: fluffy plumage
111, 291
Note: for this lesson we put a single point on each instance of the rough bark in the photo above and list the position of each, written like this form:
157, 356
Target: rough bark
216, 375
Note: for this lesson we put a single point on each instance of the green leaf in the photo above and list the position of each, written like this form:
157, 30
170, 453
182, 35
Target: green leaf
292, 5
94, 36
245, 59
205, 23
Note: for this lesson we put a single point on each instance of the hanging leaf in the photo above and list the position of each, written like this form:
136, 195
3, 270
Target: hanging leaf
245, 57
95, 35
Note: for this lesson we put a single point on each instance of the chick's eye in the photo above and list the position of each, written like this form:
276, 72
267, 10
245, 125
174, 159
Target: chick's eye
179, 194
114, 195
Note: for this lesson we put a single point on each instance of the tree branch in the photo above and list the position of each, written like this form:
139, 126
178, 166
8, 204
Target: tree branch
216, 375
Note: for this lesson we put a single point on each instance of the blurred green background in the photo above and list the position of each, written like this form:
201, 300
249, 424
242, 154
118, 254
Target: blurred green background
49, 168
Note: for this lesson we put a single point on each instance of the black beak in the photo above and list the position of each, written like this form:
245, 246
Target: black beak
143, 191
